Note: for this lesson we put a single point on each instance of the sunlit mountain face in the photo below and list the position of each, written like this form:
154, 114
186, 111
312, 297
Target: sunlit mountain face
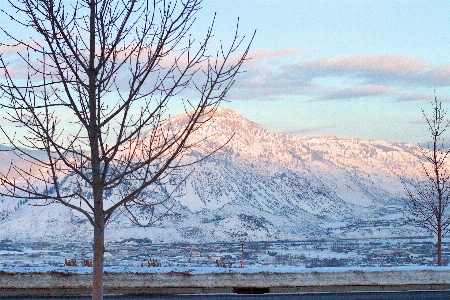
259, 186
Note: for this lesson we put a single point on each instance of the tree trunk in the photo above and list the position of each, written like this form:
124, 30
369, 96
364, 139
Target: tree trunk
99, 250
99, 234
94, 131
439, 246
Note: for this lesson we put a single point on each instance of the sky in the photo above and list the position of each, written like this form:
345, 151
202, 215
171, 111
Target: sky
361, 68
354, 68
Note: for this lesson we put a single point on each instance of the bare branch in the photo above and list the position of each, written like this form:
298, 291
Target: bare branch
100, 76
429, 199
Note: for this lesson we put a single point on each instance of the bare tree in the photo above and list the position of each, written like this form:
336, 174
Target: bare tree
429, 199
100, 76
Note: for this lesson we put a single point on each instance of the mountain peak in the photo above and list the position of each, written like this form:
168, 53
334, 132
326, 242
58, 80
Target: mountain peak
219, 113
230, 117
224, 112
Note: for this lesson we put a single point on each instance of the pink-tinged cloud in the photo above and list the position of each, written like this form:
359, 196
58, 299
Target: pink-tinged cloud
9, 49
360, 76
259, 54
387, 63
377, 69
16, 71
355, 92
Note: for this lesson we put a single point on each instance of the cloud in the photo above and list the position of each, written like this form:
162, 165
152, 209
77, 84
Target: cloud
17, 47
414, 97
417, 121
365, 64
421, 97
344, 77
11, 49
355, 92
273, 74
379, 69
259, 54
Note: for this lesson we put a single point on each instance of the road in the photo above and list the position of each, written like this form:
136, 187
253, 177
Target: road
409, 295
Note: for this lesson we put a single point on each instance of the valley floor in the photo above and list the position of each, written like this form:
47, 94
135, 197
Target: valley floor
417, 251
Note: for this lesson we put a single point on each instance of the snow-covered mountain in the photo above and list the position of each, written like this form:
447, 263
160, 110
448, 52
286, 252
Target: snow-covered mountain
259, 186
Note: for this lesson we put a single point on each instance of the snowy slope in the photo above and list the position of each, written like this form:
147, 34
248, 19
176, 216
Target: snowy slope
260, 186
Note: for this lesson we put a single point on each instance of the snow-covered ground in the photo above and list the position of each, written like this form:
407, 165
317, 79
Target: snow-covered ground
218, 270
279, 254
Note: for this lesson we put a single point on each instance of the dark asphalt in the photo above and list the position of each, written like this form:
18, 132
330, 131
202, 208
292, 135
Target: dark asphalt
409, 295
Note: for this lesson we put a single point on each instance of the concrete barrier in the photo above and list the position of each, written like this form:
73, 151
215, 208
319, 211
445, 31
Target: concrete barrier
57, 283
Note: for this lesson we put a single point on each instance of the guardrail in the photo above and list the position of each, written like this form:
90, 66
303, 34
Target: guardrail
63, 281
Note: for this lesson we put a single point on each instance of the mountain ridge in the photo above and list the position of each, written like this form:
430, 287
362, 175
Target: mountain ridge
259, 186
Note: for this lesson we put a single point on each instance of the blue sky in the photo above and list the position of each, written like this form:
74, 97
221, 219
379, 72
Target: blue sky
361, 69
356, 68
